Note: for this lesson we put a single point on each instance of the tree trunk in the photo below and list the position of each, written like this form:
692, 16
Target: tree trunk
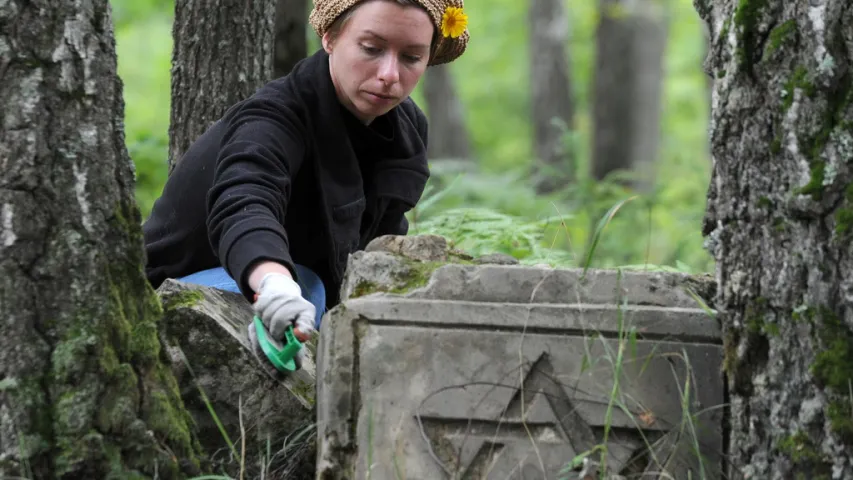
448, 135
290, 35
85, 390
223, 52
631, 40
779, 223
551, 94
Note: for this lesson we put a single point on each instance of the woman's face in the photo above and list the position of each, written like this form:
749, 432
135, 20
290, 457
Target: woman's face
378, 56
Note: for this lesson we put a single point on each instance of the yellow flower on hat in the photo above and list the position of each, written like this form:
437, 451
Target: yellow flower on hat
453, 22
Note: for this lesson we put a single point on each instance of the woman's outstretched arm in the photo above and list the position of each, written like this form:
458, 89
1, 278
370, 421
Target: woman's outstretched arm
262, 150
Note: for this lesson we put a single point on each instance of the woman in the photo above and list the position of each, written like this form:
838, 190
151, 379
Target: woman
272, 199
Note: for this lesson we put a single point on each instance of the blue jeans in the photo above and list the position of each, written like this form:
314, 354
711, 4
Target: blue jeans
311, 285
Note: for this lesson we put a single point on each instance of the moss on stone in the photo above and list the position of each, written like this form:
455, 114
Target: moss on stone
304, 390
417, 275
364, 287
183, 299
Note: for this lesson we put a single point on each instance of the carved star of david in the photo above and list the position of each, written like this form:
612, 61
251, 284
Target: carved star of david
514, 445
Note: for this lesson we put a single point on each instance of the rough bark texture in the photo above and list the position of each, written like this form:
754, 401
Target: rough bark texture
779, 222
551, 94
631, 39
448, 135
222, 54
291, 43
85, 388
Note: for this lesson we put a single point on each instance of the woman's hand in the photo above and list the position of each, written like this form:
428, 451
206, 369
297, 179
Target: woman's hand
279, 304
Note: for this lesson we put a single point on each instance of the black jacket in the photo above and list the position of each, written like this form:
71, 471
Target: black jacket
288, 175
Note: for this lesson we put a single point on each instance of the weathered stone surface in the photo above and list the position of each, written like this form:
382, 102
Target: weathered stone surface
502, 371
497, 259
428, 248
205, 330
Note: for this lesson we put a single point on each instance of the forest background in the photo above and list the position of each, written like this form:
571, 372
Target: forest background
488, 203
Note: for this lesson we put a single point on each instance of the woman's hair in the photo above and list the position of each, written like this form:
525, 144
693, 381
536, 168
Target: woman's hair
336, 26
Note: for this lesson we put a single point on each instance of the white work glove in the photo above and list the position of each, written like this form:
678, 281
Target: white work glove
279, 304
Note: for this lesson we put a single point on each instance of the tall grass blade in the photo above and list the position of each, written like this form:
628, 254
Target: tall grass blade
602, 224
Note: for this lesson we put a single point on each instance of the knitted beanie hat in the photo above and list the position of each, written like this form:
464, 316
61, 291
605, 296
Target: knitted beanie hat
447, 17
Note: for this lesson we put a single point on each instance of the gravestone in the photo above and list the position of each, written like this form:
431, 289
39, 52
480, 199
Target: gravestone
459, 369
268, 417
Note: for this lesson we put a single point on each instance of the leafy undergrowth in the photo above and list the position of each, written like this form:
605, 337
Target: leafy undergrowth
598, 224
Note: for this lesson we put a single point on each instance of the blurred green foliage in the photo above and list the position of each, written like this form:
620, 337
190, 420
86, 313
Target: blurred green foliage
492, 208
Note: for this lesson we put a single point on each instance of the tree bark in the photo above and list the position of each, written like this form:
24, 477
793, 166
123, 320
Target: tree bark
223, 52
552, 110
291, 42
631, 40
779, 223
85, 388
448, 135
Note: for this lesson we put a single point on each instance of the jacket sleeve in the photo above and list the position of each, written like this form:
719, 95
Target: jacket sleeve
394, 221
262, 150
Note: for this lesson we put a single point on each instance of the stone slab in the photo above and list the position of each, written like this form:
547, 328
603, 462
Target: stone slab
204, 331
503, 371
523, 284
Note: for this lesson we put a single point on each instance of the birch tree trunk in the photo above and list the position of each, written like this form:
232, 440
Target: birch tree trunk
631, 40
291, 42
779, 223
552, 109
85, 390
448, 134
223, 52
